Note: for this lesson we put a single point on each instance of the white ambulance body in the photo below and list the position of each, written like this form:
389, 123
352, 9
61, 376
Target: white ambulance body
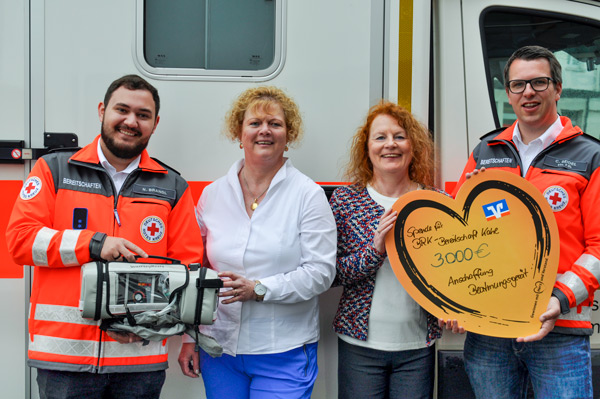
441, 58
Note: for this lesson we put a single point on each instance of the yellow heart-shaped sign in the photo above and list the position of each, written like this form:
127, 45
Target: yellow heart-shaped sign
487, 258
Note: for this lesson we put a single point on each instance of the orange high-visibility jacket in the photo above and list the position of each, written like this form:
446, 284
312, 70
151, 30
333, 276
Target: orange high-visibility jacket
567, 172
67, 203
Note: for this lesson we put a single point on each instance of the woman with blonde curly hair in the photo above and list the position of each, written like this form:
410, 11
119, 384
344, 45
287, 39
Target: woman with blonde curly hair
269, 231
385, 339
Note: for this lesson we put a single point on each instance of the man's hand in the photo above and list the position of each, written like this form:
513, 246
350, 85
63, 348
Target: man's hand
189, 360
474, 172
548, 319
116, 248
451, 325
124, 337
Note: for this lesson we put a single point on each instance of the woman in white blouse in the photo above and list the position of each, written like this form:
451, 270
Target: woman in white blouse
269, 231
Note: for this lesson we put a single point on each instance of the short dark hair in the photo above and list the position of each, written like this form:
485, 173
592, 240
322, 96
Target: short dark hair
529, 53
133, 82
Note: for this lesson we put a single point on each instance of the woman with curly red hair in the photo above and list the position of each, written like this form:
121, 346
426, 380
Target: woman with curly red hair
385, 339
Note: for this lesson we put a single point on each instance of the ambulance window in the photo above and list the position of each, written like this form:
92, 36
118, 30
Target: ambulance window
574, 41
210, 39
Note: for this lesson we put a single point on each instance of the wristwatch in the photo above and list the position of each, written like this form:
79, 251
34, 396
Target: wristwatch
260, 291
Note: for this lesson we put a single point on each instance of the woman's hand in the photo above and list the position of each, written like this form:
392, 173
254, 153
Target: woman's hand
385, 225
241, 289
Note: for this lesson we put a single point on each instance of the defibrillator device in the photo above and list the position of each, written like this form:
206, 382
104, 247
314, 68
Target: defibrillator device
123, 290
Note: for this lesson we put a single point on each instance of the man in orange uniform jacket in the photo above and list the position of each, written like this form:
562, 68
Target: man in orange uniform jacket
109, 201
554, 155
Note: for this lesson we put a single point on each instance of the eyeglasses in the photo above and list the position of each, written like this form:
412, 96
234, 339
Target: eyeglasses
537, 84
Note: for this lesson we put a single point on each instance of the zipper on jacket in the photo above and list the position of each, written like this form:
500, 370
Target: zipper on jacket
117, 218
116, 194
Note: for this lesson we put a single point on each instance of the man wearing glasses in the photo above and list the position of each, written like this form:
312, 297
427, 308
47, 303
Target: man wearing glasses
562, 162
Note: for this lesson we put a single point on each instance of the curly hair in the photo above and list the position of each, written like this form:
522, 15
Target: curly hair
263, 97
359, 169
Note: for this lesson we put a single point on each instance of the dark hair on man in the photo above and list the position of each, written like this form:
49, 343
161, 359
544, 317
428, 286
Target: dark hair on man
133, 82
529, 53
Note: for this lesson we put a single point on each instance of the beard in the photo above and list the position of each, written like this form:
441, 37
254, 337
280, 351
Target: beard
121, 151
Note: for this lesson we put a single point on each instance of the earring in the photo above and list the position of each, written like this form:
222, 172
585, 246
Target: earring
241, 146
286, 148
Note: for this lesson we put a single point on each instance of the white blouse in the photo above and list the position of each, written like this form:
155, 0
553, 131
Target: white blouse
289, 244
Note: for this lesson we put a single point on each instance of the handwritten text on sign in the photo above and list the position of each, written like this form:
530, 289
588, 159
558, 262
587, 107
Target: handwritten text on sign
487, 259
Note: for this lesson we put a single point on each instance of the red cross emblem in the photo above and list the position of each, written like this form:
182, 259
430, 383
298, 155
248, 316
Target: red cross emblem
557, 198
31, 188
152, 229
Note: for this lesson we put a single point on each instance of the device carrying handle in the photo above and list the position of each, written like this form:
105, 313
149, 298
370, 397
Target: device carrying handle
172, 260
99, 288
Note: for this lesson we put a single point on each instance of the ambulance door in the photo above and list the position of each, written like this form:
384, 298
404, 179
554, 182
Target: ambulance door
331, 64
570, 29
14, 117
491, 31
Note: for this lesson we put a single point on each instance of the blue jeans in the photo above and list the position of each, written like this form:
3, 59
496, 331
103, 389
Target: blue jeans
55, 384
559, 366
369, 373
286, 375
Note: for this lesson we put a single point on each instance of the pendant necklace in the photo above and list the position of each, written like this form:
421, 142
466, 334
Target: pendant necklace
254, 204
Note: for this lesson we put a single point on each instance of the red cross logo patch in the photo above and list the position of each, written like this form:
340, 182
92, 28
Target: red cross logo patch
557, 197
152, 229
31, 188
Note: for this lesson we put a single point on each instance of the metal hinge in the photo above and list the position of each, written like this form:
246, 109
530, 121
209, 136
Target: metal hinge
13, 151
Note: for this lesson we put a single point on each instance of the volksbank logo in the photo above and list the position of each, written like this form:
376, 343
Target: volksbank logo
495, 210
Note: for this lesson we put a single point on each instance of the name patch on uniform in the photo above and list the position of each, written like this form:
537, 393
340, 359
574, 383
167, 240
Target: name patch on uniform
31, 188
557, 197
79, 183
565, 163
152, 229
497, 161
154, 190
495, 210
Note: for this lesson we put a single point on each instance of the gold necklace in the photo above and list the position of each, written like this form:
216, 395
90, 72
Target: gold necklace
254, 204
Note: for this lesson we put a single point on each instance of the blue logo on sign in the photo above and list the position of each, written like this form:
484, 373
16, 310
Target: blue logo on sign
496, 210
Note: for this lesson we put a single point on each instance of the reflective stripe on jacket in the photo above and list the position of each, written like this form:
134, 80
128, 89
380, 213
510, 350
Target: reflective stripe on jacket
567, 173
66, 199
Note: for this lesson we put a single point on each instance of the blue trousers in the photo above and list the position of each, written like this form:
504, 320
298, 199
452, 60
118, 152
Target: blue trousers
286, 375
559, 366
71, 385
369, 374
